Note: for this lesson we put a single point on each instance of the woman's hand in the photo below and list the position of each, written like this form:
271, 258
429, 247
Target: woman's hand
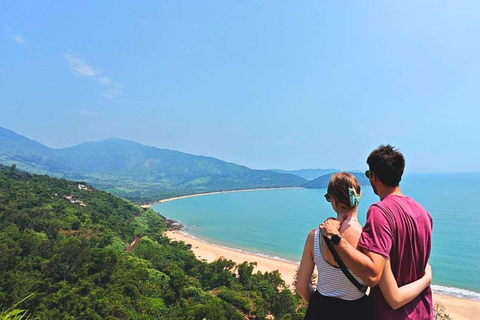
428, 273
397, 297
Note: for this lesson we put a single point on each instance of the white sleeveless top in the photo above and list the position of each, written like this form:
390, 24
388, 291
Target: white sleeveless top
332, 282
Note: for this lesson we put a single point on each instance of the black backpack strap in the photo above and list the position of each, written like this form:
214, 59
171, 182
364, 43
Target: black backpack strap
336, 257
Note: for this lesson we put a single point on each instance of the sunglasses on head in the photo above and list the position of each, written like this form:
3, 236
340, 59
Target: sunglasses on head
328, 197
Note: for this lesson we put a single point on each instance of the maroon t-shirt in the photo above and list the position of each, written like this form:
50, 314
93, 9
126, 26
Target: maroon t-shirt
400, 228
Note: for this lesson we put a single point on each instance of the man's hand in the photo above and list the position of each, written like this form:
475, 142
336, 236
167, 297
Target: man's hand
330, 227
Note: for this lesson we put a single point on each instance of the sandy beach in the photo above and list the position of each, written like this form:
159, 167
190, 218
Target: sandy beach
457, 308
148, 205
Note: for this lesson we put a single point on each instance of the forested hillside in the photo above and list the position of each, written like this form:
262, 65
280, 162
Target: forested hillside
65, 243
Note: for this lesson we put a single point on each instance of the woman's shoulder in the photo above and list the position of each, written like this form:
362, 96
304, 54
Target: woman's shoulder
310, 242
311, 234
352, 232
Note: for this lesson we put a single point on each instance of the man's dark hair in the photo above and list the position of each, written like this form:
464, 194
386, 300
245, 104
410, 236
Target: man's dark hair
387, 163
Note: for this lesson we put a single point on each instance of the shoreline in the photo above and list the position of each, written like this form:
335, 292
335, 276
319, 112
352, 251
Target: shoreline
458, 308
148, 205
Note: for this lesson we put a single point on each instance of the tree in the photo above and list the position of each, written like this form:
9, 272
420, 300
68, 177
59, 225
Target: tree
283, 303
53, 228
312, 279
178, 279
245, 271
69, 263
76, 225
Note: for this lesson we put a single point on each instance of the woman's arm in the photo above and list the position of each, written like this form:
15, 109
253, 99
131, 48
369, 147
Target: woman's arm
304, 275
398, 297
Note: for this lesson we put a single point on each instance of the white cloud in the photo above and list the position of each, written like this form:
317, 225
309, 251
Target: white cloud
114, 91
18, 38
79, 66
105, 80
82, 68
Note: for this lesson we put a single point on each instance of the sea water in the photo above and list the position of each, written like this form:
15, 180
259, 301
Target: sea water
275, 223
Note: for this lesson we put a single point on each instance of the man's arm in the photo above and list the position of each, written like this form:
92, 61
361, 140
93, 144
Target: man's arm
368, 266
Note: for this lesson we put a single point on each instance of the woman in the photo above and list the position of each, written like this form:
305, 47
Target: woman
336, 296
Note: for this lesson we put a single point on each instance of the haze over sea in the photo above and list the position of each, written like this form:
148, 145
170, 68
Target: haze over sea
275, 223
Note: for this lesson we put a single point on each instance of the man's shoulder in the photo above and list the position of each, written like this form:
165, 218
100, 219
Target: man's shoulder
399, 201
394, 207
413, 205
377, 214
378, 207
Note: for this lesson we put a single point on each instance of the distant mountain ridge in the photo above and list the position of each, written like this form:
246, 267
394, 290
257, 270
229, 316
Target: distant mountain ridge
29, 154
132, 170
309, 174
322, 182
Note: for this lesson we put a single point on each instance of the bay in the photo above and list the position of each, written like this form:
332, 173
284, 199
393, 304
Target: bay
276, 222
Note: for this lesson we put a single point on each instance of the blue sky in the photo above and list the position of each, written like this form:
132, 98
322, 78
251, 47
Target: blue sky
309, 84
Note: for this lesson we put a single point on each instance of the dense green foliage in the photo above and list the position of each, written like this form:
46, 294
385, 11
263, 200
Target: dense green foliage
67, 245
322, 182
134, 171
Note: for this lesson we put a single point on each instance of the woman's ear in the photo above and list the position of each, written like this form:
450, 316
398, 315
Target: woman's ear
334, 204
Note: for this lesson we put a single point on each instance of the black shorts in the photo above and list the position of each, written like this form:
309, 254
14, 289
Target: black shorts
322, 307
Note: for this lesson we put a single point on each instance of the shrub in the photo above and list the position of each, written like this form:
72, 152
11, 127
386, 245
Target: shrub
439, 312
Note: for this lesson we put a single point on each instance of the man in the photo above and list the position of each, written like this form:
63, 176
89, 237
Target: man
398, 228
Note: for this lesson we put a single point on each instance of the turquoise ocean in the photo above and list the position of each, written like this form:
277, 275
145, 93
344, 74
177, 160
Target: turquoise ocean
275, 223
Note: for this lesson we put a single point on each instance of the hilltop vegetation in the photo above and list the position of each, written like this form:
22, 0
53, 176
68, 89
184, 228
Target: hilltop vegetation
134, 171
65, 242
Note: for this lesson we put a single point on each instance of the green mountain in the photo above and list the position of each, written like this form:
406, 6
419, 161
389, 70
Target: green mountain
68, 248
27, 154
308, 174
136, 171
322, 182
